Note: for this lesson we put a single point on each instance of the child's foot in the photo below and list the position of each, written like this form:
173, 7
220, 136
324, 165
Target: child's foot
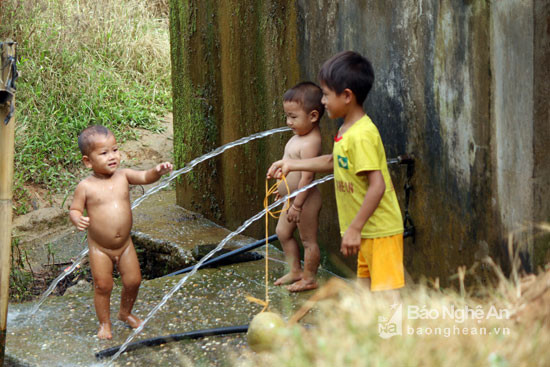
288, 279
302, 285
104, 331
131, 320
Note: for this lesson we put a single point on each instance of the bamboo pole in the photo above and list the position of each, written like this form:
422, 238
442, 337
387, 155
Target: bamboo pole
7, 134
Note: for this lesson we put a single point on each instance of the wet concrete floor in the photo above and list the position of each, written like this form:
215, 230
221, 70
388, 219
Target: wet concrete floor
62, 333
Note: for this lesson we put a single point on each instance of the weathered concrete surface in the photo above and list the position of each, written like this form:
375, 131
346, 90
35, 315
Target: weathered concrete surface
167, 234
214, 104
541, 118
63, 331
462, 85
177, 224
512, 24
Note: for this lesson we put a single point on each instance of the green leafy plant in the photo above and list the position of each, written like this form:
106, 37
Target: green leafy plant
21, 279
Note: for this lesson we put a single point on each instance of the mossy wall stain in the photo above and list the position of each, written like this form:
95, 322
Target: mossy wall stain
196, 131
234, 60
433, 96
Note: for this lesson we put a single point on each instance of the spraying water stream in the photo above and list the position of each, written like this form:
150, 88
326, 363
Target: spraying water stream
162, 184
182, 281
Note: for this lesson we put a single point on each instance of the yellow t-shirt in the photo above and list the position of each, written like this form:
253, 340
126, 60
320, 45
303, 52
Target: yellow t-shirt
360, 149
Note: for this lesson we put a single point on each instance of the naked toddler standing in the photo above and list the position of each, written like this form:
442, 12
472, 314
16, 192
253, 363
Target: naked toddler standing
105, 197
303, 110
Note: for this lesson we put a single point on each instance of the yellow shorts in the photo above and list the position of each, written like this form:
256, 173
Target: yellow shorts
381, 259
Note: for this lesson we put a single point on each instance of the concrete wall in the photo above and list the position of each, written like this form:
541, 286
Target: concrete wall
230, 61
462, 85
512, 63
541, 122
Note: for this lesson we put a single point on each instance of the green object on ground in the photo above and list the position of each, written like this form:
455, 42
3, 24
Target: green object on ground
264, 331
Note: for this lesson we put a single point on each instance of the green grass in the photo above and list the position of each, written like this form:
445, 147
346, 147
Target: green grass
83, 63
21, 279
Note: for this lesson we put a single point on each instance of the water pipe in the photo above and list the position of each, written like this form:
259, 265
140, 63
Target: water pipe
226, 255
158, 340
409, 232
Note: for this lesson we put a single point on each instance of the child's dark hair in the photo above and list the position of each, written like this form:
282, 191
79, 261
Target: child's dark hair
308, 95
350, 70
85, 142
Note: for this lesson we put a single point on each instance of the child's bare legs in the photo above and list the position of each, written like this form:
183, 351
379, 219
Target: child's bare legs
309, 222
102, 272
128, 266
285, 231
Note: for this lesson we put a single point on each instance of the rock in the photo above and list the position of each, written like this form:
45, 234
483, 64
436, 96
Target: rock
264, 331
80, 287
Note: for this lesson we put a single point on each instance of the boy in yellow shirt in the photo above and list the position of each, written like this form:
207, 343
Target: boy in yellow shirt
370, 219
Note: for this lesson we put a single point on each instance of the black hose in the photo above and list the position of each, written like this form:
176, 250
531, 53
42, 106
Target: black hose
226, 255
196, 334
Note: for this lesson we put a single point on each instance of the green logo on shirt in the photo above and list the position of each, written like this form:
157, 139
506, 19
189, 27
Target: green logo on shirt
343, 162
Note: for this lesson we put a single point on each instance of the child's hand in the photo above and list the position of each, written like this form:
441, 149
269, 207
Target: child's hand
164, 168
278, 169
293, 214
83, 223
351, 242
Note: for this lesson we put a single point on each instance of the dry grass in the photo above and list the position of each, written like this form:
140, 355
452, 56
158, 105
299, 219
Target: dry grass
346, 333
508, 326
